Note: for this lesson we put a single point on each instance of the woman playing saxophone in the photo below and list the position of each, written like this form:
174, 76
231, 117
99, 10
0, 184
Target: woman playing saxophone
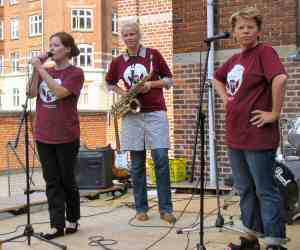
149, 128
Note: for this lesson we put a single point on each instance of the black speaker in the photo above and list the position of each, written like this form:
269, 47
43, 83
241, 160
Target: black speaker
94, 168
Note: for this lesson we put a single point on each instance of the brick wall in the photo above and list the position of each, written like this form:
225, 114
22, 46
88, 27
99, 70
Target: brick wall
188, 30
190, 22
155, 19
93, 133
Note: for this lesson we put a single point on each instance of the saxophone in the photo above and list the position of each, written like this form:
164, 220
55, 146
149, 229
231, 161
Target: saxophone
130, 103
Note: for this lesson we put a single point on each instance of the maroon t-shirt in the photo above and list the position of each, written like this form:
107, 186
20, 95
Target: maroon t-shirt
57, 119
248, 77
131, 69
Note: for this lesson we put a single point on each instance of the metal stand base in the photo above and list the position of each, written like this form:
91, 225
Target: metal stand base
29, 232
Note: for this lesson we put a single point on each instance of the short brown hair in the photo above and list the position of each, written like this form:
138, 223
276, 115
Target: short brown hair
248, 12
68, 41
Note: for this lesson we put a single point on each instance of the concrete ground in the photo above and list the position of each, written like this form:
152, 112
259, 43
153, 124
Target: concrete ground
112, 219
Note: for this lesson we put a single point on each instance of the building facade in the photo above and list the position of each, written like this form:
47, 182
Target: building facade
25, 29
178, 29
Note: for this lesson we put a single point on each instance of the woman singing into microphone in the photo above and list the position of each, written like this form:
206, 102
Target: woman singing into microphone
57, 130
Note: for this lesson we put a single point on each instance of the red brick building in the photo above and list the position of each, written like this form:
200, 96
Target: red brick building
25, 28
177, 28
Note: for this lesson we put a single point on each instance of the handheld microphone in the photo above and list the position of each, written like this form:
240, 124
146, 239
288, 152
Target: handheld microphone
45, 56
49, 54
218, 36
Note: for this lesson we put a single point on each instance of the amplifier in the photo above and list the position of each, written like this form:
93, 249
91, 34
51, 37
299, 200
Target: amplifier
287, 176
94, 168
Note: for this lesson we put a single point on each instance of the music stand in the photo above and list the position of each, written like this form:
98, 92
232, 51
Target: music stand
28, 231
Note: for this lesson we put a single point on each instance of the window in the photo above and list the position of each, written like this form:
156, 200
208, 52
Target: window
114, 52
12, 2
1, 3
32, 54
1, 63
1, 98
14, 28
84, 96
114, 21
1, 29
85, 59
35, 25
82, 20
15, 61
16, 97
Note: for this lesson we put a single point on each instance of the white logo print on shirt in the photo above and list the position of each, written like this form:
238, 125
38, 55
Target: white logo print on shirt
135, 73
46, 94
235, 79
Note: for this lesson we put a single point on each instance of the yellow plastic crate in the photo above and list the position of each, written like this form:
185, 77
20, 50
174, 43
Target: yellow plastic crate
177, 170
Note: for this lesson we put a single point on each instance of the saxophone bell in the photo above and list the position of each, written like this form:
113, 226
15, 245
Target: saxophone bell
135, 105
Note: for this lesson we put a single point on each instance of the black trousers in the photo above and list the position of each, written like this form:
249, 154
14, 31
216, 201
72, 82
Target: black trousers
58, 164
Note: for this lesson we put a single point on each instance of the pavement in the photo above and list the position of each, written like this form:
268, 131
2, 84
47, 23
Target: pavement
113, 219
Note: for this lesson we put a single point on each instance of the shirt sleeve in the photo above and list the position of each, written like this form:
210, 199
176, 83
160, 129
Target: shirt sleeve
74, 81
163, 69
112, 76
271, 63
221, 73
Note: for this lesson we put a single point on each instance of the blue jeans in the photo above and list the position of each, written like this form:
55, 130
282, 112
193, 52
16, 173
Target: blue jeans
260, 200
138, 173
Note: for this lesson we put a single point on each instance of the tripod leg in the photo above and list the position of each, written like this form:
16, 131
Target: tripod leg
12, 239
63, 247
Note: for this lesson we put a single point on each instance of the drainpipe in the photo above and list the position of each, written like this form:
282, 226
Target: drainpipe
298, 23
211, 101
42, 7
296, 56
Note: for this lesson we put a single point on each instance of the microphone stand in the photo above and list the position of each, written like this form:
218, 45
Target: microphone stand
200, 124
28, 231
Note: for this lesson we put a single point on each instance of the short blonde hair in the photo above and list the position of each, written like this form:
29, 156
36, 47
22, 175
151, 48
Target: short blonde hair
248, 12
131, 24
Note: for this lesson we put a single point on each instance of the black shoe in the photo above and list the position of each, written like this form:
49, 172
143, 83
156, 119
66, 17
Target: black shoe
55, 233
245, 245
72, 228
273, 247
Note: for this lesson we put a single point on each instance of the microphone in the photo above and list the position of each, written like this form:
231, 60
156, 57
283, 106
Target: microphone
45, 56
217, 37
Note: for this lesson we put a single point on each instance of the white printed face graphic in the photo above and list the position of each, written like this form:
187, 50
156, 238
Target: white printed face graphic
135, 73
46, 94
235, 79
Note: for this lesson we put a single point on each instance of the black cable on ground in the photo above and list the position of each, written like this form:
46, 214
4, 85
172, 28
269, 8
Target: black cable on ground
100, 241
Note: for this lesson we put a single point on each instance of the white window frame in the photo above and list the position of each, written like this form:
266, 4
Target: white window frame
1, 64
78, 17
84, 96
13, 2
15, 59
114, 21
84, 54
114, 52
1, 29
35, 25
15, 28
16, 97
33, 53
1, 98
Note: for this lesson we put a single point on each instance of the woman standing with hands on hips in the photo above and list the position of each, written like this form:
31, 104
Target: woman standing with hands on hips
57, 130
251, 85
